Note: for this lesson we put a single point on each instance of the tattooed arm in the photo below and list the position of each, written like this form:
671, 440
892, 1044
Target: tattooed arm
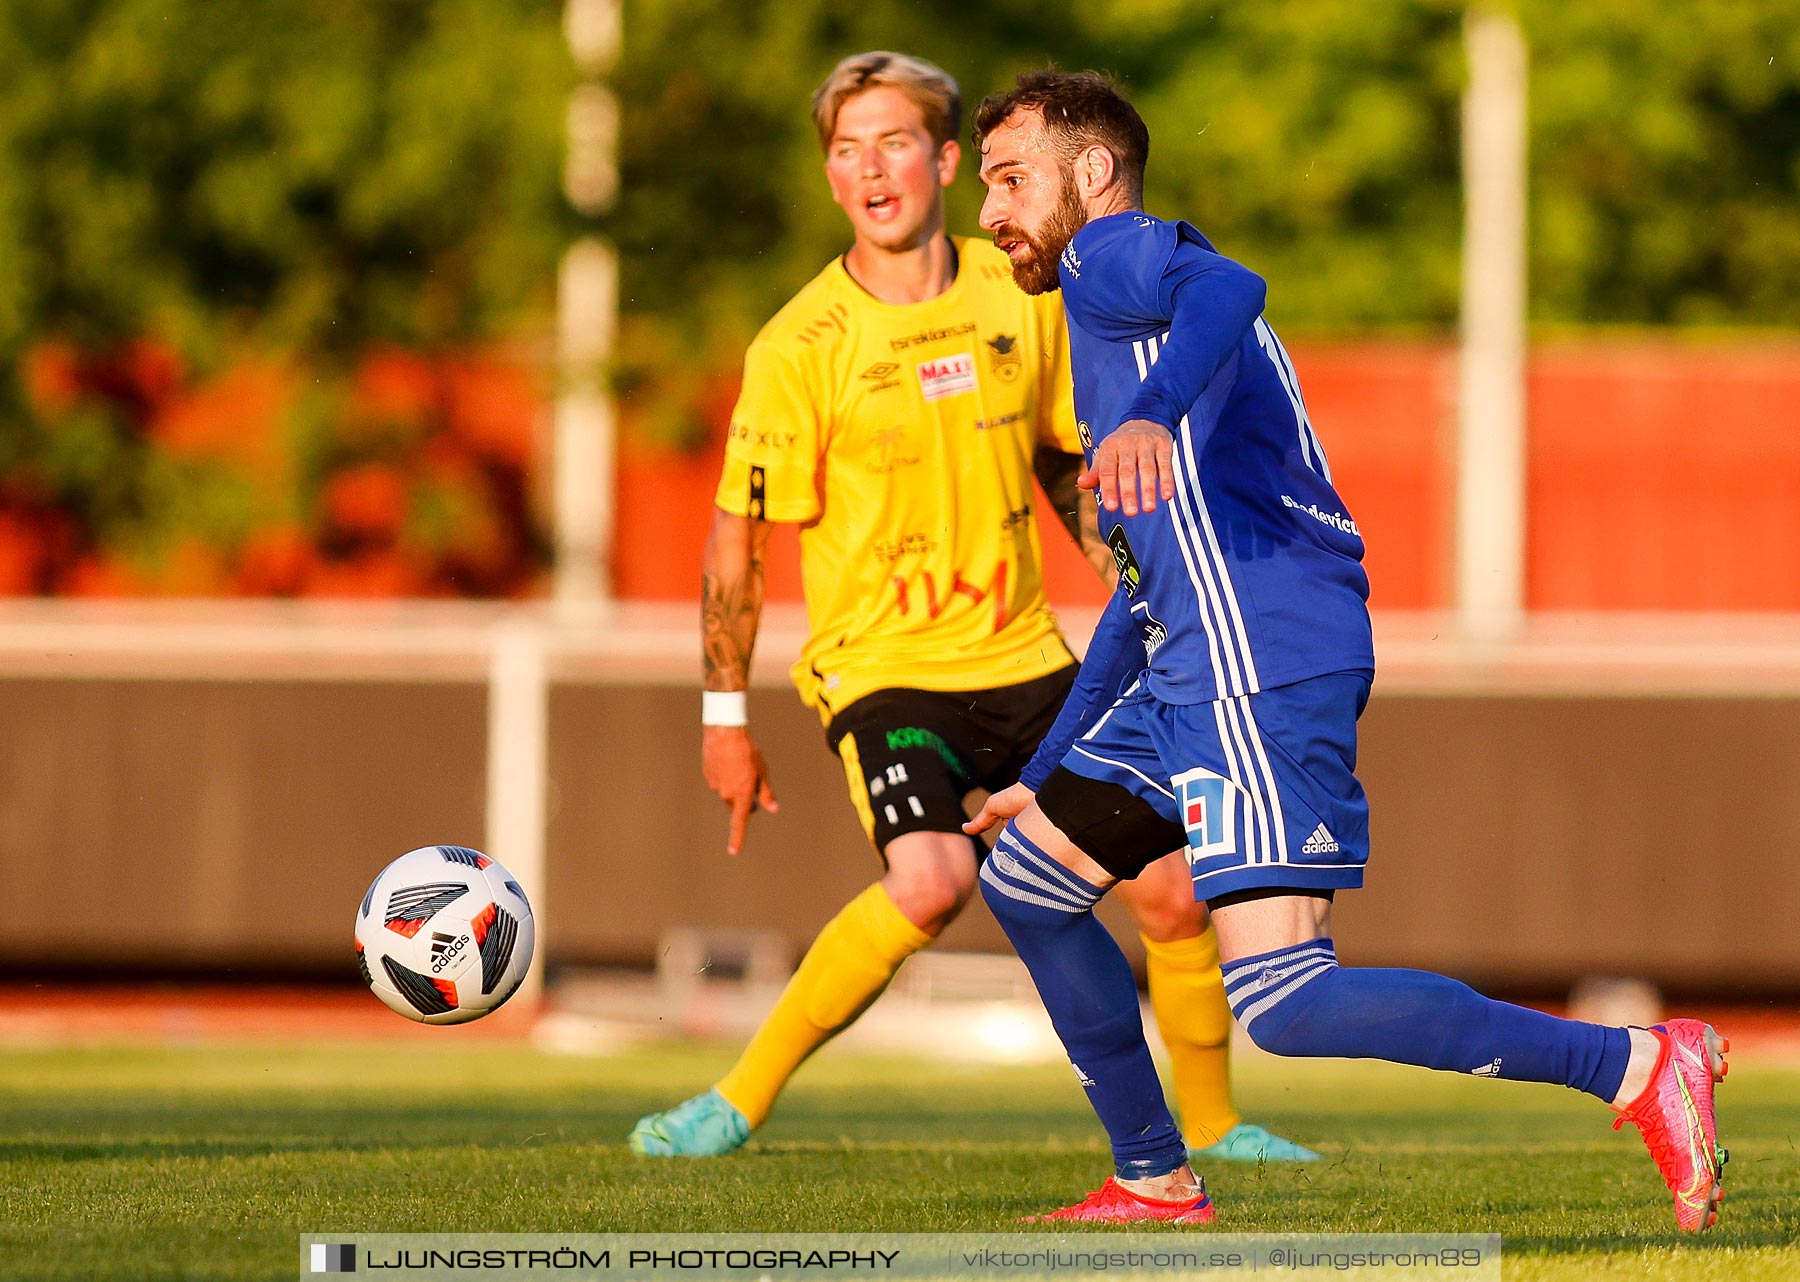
1056, 472
731, 601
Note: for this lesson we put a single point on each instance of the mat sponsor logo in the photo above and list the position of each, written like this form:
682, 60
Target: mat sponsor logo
947, 376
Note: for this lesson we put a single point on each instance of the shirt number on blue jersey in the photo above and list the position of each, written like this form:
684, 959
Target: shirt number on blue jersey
1208, 811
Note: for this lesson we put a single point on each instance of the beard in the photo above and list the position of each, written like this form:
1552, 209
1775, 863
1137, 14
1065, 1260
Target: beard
1036, 273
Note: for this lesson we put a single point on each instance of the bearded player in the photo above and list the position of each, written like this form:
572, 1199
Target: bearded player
1217, 707
895, 410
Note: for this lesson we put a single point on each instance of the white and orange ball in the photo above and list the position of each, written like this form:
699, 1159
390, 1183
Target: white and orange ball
444, 935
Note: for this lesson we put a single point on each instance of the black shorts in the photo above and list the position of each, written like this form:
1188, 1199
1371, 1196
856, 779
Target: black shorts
1122, 832
1119, 830
911, 756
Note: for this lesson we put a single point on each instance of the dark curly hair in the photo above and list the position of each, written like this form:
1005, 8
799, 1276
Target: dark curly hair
1080, 109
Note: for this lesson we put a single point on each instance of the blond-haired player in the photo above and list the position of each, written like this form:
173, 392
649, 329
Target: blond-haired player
896, 410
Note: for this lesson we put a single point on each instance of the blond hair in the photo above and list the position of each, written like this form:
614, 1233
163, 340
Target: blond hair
929, 87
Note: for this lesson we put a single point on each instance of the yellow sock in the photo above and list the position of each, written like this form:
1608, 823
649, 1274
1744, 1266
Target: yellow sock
1188, 995
848, 965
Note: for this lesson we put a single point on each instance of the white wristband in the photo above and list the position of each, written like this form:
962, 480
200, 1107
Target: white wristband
723, 708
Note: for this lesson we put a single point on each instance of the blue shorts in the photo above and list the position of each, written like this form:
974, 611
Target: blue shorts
1263, 785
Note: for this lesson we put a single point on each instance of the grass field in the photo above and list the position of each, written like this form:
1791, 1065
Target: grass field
209, 1162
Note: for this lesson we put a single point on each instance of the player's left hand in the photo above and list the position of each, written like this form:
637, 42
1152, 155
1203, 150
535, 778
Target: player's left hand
999, 807
1132, 467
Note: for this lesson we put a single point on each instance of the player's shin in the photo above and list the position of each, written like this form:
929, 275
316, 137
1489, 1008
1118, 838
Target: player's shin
1188, 995
1090, 994
846, 969
1299, 1001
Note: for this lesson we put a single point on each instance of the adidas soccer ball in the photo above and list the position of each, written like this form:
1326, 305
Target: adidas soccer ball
444, 935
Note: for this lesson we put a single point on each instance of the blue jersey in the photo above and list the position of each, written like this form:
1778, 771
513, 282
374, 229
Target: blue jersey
1252, 578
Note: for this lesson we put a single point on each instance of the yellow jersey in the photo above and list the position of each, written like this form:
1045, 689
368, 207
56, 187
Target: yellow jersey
900, 437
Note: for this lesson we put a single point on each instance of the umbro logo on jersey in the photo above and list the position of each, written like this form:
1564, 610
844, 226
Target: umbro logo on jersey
1488, 1070
879, 376
1071, 263
1320, 843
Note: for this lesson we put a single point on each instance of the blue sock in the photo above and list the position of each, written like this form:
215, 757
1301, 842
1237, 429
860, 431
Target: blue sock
1299, 1001
1087, 987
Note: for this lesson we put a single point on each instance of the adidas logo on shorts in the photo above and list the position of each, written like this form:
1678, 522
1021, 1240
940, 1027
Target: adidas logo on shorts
1320, 843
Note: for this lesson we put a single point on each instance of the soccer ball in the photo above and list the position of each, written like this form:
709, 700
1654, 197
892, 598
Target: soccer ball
444, 935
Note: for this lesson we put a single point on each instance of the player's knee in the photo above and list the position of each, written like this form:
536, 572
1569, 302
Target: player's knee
930, 903
1161, 899
994, 895
1026, 888
931, 891
1271, 995
1165, 918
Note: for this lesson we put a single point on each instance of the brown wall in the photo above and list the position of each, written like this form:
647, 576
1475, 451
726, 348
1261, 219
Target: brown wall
1520, 841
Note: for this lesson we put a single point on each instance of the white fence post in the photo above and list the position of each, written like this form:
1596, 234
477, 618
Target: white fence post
517, 767
1491, 443
587, 318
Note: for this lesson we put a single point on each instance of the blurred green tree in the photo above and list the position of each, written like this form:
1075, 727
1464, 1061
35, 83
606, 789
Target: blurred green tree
340, 201
287, 184
285, 172
1316, 142
1665, 162
1319, 143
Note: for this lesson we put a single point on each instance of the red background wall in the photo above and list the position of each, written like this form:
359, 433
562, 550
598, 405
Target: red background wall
1661, 477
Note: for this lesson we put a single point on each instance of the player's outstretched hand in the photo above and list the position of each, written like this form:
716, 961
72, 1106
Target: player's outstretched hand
1132, 467
735, 769
999, 807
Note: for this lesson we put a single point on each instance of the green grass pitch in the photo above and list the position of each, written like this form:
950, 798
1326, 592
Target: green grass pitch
208, 1162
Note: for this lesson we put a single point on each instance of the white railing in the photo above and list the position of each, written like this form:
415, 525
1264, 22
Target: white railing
518, 651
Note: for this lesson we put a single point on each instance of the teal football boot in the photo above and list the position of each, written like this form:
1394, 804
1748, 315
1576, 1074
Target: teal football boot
705, 1126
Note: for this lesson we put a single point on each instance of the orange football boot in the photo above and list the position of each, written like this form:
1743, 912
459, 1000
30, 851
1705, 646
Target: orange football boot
1113, 1203
1675, 1117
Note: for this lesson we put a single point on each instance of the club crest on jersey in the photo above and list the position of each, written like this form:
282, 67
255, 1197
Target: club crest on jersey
1154, 632
947, 376
1208, 804
1004, 360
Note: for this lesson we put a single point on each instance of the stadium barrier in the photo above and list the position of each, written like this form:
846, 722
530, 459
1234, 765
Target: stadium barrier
208, 788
